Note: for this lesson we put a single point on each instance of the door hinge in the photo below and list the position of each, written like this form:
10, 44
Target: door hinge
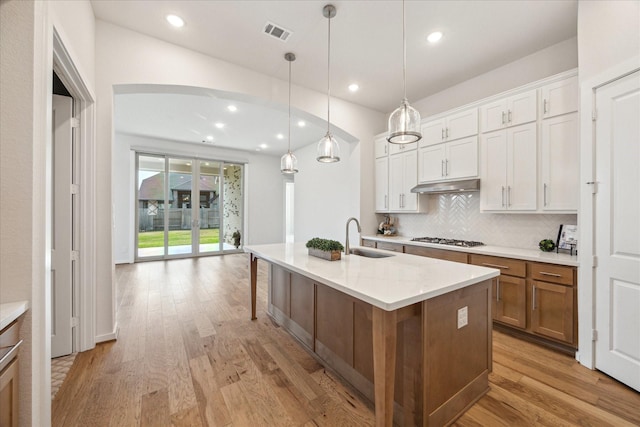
594, 335
594, 115
75, 123
75, 188
74, 322
75, 256
594, 186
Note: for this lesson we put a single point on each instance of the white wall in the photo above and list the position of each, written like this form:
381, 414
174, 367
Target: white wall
25, 125
608, 34
555, 59
265, 193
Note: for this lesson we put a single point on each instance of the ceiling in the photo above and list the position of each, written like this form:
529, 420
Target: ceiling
366, 39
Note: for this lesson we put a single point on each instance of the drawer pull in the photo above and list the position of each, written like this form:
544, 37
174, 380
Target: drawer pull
495, 265
534, 298
497, 289
544, 273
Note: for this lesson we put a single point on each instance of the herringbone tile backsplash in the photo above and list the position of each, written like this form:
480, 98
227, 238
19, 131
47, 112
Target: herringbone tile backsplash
458, 216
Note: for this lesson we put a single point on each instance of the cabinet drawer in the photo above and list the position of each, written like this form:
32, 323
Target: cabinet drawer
9, 335
436, 253
368, 243
388, 246
552, 273
508, 266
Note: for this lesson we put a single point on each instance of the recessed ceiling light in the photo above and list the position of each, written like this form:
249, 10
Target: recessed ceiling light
263, 146
232, 108
219, 125
353, 87
280, 136
188, 164
206, 163
301, 123
175, 20
434, 37
209, 137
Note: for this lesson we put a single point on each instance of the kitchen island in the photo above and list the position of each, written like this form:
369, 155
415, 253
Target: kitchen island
406, 331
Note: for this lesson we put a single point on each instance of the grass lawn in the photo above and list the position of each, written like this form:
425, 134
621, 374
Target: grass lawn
155, 239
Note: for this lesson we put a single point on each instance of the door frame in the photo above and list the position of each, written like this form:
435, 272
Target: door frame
84, 111
586, 217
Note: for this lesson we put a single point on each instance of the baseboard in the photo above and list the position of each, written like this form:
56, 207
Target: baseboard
113, 336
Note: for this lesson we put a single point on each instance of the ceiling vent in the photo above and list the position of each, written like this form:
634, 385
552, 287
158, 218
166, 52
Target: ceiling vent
276, 31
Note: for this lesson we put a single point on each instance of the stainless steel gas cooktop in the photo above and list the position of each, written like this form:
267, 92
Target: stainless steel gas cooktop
452, 242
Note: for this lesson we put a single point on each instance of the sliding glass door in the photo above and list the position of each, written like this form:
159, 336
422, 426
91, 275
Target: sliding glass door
187, 207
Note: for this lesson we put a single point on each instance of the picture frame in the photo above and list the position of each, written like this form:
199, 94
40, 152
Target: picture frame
567, 237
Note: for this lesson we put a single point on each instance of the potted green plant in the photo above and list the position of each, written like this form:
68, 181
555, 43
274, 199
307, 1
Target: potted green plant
325, 248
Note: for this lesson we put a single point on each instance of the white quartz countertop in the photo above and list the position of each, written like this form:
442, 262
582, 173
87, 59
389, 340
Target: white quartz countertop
10, 311
517, 253
388, 283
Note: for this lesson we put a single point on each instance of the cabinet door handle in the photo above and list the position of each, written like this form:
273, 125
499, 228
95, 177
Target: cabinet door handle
495, 265
386, 205
544, 273
503, 117
446, 167
441, 167
503, 196
545, 194
544, 107
498, 289
442, 133
385, 148
447, 133
508, 195
533, 299
509, 116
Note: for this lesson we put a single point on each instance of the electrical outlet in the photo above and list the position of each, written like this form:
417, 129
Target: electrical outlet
463, 317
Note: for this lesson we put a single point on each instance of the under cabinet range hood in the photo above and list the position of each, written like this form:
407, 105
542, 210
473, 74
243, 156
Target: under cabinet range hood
448, 187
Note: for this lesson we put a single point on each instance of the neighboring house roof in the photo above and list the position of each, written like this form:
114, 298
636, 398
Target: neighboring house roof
152, 188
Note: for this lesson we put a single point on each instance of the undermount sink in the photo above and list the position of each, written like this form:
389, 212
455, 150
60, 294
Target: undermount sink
369, 254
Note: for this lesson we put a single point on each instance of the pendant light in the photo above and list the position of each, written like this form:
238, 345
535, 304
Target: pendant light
404, 122
328, 149
288, 162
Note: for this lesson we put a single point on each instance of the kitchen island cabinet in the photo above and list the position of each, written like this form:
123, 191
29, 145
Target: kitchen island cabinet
366, 310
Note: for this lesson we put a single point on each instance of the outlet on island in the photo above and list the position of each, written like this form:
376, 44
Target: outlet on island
463, 316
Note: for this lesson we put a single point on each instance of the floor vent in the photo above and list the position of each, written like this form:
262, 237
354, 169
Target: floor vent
276, 31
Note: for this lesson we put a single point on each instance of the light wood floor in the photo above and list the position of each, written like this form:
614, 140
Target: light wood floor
188, 355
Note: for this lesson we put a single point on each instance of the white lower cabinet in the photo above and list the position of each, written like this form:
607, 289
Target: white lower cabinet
560, 172
508, 169
403, 176
450, 160
382, 184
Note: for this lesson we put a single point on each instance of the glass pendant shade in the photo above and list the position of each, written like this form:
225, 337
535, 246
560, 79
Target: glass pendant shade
404, 125
288, 163
328, 149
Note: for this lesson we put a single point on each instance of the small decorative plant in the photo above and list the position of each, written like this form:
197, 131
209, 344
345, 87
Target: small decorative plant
547, 245
236, 239
325, 248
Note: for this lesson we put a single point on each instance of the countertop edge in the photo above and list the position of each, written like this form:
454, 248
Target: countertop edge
490, 250
387, 306
10, 311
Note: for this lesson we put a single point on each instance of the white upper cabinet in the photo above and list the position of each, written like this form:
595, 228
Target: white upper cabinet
403, 176
508, 169
400, 148
560, 172
381, 147
382, 184
511, 111
449, 128
450, 160
560, 97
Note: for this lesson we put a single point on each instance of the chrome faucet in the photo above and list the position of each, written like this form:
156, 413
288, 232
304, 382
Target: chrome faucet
346, 246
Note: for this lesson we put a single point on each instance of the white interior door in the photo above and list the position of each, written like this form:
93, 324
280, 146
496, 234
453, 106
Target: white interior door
62, 223
617, 230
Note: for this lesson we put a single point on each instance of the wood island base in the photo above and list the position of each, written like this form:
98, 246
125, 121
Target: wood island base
421, 359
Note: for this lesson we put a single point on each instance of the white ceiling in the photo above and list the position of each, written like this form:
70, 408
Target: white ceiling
366, 39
